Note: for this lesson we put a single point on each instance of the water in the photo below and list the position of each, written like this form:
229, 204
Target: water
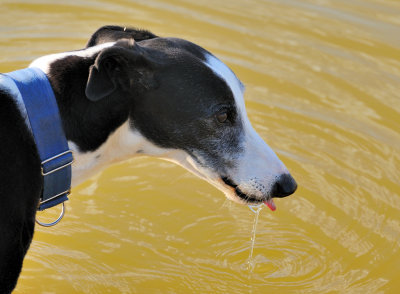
322, 88
256, 210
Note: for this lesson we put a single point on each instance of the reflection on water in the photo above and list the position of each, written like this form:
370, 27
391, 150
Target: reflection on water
322, 83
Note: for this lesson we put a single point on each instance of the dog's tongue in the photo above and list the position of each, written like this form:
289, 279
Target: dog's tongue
270, 203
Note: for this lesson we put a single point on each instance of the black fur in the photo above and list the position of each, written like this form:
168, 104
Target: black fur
86, 123
160, 84
143, 82
169, 114
20, 189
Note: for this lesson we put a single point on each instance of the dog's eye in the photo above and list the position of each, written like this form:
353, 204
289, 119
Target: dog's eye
222, 116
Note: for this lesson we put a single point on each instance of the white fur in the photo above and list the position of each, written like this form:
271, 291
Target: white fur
122, 144
44, 62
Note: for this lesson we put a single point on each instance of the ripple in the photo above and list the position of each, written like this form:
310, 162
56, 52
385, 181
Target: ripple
322, 83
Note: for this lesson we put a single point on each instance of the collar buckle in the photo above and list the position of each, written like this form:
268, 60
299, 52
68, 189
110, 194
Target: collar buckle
57, 162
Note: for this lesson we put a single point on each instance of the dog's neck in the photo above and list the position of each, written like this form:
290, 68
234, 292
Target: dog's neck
121, 144
99, 133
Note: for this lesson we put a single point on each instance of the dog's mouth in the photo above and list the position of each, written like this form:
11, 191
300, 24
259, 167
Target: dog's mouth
248, 199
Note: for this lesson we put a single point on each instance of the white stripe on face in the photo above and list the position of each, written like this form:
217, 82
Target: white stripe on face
237, 88
259, 167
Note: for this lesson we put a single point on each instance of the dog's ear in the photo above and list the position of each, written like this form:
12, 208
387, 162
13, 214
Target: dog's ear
114, 69
114, 33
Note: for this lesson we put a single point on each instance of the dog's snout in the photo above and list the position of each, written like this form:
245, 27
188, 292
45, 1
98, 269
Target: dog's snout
284, 186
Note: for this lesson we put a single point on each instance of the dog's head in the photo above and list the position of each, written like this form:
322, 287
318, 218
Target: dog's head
189, 106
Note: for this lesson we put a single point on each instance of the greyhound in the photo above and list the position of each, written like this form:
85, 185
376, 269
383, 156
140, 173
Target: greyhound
130, 92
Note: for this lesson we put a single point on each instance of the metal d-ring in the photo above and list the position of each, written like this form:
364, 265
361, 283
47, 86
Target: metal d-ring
56, 221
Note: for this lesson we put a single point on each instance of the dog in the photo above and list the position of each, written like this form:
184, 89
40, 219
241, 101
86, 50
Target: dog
130, 92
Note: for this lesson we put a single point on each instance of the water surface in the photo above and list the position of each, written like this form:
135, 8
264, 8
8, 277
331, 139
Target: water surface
322, 83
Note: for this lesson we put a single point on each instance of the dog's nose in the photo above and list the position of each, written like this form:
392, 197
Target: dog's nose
284, 186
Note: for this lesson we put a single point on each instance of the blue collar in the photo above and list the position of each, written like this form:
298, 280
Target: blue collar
31, 86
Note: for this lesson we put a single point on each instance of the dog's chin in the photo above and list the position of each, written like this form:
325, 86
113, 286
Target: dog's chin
242, 198
230, 189
234, 193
